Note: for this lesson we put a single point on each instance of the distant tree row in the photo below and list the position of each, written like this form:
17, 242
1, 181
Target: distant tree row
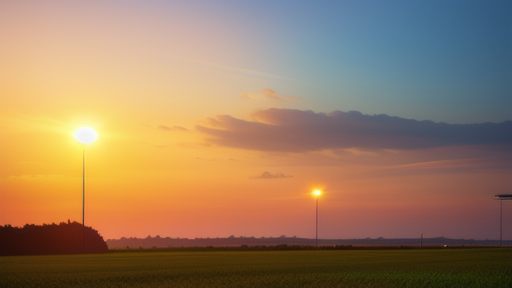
46, 239
232, 241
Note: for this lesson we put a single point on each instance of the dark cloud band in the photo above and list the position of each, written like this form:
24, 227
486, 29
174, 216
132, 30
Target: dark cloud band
299, 131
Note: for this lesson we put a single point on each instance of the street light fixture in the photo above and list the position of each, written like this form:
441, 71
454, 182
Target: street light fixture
317, 194
502, 197
84, 135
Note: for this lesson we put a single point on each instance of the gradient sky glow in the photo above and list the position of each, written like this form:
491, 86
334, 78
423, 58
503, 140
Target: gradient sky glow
218, 118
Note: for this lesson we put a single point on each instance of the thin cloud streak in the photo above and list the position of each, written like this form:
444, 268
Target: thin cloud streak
284, 130
267, 93
268, 175
480, 163
174, 128
237, 70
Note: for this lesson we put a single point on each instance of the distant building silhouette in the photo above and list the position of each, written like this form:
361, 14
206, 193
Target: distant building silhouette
64, 238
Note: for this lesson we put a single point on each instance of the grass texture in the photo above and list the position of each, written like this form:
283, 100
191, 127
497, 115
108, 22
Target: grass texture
360, 268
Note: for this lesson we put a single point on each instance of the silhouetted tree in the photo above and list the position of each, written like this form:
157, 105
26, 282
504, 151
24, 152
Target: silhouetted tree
65, 238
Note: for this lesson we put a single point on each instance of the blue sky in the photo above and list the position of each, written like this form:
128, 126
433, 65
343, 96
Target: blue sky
438, 60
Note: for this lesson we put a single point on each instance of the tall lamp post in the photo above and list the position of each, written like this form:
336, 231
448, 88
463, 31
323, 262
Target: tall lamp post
317, 194
502, 197
84, 135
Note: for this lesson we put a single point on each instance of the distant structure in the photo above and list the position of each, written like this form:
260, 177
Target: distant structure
502, 197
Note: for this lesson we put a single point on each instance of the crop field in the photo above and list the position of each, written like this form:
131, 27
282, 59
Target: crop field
356, 268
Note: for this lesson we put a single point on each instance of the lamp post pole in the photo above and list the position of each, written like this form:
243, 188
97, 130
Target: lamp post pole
316, 222
317, 194
501, 221
84, 135
502, 197
83, 199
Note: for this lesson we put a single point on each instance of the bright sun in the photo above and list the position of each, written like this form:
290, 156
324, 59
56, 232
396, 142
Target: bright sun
317, 192
85, 135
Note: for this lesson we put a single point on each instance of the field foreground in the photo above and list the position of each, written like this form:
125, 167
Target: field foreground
363, 268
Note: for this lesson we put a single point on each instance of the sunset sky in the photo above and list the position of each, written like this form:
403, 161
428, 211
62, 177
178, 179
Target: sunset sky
218, 118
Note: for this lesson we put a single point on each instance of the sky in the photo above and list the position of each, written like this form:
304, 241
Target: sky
218, 118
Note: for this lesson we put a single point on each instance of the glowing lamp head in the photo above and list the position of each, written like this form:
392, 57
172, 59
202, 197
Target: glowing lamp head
317, 193
85, 135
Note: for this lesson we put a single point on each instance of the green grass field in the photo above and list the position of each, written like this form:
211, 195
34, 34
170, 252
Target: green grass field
359, 268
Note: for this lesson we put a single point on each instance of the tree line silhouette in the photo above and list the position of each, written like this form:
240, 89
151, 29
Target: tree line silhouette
46, 239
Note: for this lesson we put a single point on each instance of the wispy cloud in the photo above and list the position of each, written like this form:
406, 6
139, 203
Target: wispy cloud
24, 122
174, 128
237, 70
300, 131
267, 93
477, 162
268, 175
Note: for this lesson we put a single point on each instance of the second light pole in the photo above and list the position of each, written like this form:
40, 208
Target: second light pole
317, 194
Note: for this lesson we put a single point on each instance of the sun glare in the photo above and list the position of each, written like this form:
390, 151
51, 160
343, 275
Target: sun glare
317, 192
85, 135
